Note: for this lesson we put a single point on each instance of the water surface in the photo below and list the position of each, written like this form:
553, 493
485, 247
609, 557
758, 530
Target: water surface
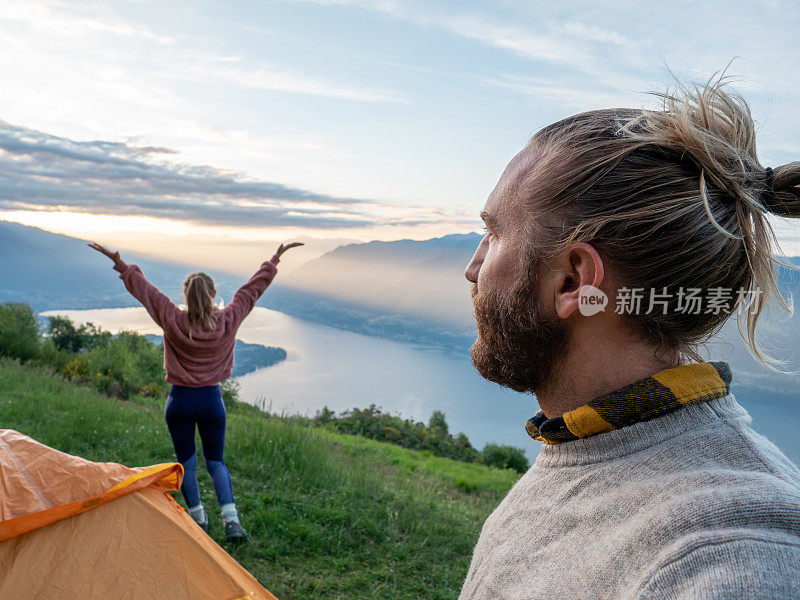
341, 370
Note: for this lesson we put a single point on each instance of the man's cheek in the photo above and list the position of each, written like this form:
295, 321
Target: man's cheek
499, 269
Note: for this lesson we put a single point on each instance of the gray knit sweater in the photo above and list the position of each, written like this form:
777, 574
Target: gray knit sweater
691, 504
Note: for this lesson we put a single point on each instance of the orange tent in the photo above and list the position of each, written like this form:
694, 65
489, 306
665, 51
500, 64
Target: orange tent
72, 528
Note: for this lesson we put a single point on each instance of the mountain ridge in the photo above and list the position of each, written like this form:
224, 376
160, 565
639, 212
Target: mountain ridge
53, 271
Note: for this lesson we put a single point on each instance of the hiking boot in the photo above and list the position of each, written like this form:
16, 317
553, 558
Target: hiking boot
234, 531
199, 516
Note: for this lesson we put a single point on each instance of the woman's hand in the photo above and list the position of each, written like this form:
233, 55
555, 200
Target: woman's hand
112, 255
283, 248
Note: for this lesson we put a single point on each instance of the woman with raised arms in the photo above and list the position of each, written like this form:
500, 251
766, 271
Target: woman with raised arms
198, 355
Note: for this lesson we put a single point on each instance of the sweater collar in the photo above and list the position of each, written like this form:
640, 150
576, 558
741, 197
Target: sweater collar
642, 400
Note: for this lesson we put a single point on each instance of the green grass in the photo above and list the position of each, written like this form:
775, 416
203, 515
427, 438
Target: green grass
330, 515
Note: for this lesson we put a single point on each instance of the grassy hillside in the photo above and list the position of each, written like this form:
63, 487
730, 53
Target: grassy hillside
330, 515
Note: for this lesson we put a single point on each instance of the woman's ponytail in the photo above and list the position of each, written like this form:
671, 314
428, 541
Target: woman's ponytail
199, 291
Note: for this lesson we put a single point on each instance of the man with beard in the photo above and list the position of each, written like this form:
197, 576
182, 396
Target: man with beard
650, 482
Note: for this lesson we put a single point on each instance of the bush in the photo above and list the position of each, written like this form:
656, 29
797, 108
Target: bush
325, 415
465, 485
124, 365
374, 424
65, 336
504, 457
230, 390
437, 422
19, 331
119, 365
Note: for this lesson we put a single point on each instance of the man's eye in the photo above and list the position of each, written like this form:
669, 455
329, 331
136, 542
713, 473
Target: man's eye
486, 231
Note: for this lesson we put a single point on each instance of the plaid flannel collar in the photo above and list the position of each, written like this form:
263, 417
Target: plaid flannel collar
642, 400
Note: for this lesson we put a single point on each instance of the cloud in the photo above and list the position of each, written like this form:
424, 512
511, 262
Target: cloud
178, 58
39, 171
577, 98
582, 41
234, 71
544, 47
43, 172
591, 33
572, 44
50, 16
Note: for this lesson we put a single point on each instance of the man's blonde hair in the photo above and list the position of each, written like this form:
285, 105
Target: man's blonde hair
671, 198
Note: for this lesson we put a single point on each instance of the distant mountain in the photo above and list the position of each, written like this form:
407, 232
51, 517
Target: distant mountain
406, 290
416, 291
413, 291
51, 271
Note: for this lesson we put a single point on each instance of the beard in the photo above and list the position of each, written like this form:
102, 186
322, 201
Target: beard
518, 346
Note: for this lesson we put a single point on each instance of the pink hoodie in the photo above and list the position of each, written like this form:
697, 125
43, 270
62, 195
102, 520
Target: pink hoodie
207, 358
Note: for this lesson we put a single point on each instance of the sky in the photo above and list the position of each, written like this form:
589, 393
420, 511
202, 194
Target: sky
183, 129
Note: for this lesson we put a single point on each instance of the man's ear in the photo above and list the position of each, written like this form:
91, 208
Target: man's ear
579, 265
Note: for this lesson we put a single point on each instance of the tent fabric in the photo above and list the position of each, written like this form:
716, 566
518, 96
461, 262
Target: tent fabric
72, 528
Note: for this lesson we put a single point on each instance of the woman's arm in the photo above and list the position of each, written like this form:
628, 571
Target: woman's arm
246, 296
157, 304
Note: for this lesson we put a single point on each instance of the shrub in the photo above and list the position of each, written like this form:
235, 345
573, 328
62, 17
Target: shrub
438, 422
433, 438
230, 390
118, 365
19, 331
76, 368
129, 364
325, 415
504, 457
52, 356
466, 486
65, 336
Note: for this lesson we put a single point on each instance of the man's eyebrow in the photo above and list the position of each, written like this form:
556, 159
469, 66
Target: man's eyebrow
489, 218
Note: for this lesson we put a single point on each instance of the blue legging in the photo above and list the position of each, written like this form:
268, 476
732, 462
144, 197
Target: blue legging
201, 406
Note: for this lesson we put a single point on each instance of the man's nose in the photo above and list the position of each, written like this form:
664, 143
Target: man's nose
474, 266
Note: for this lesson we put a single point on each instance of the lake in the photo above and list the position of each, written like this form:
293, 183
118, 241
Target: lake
342, 370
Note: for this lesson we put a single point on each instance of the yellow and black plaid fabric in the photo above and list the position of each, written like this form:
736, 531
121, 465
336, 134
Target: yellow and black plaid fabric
642, 400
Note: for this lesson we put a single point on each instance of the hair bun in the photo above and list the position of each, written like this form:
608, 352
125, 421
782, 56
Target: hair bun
782, 190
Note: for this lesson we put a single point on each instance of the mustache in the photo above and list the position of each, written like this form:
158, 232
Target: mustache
475, 293
491, 297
